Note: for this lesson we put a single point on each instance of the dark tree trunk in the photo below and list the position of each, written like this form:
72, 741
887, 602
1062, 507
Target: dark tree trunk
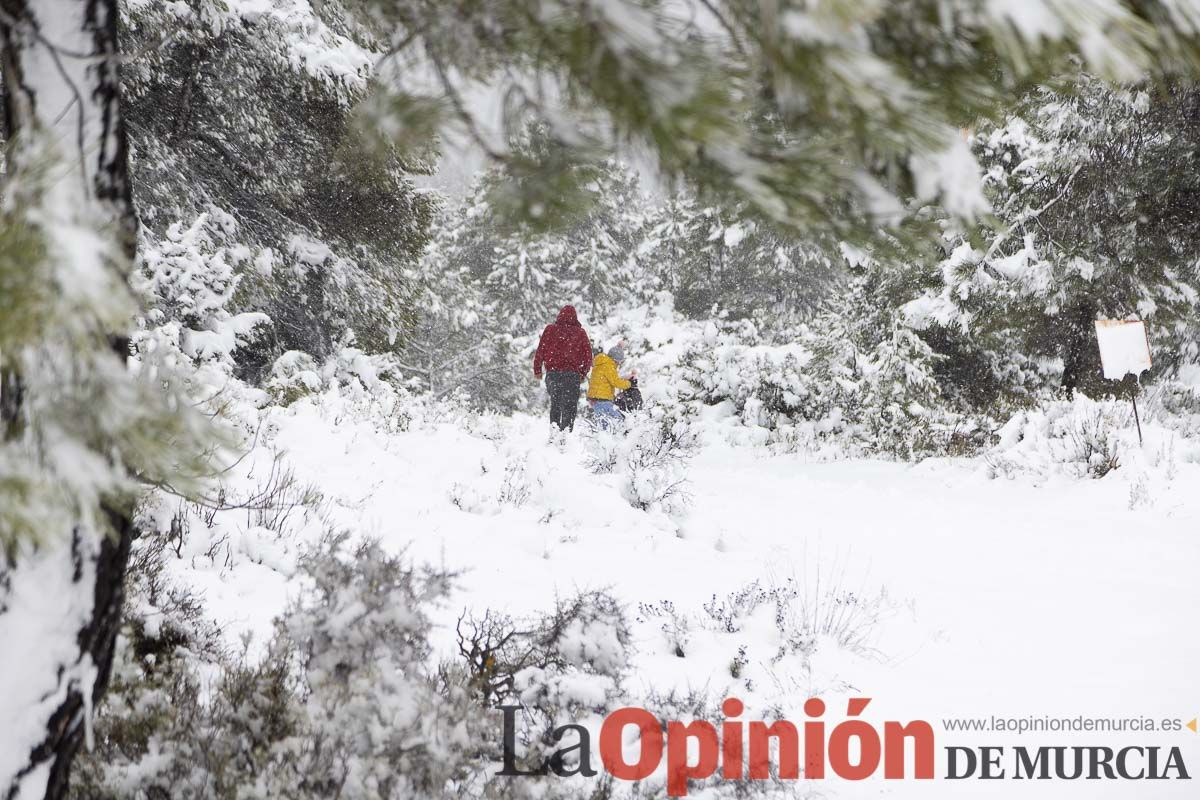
65, 729
89, 66
1079, 356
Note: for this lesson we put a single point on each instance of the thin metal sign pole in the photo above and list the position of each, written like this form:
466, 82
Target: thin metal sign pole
1136, 418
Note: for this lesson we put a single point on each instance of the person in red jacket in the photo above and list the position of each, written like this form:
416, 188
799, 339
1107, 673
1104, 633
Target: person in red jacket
565, 354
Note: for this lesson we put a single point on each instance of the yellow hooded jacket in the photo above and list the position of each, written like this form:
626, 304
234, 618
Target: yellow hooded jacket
604, 379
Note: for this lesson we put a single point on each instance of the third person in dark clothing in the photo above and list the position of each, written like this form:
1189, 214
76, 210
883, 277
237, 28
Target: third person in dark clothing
564, 353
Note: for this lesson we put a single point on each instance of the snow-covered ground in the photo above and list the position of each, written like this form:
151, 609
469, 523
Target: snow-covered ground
966, 596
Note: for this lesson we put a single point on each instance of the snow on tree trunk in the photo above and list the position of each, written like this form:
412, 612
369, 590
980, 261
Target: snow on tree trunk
61, 590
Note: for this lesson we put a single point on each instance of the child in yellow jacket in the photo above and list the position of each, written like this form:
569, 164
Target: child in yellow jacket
604, 383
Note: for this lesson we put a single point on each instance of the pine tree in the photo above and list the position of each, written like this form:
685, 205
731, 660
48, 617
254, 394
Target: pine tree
527, 274
460, 345
1096, 220
256, 115
729, 259
78, 428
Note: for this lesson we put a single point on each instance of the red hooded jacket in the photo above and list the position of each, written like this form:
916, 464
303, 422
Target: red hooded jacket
564, 346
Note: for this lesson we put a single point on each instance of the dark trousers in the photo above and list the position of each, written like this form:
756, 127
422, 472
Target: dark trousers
564, 398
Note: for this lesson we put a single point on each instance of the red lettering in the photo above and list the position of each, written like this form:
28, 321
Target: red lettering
678, 770
868, 750
760, 750
731, 740
612, 745
894, 735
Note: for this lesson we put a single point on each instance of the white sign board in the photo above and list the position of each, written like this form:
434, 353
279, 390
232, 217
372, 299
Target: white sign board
1124, 347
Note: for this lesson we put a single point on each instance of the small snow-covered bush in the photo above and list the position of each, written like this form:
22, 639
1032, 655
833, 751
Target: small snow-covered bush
650, 450
654, 464
509, 659
1175, 404
584, 646
802, 615
675, 626
294, 374
505, 479
515, 485
1078, 438
774, 630
375, 723
361, 376
346, 702
469, 499
352, 366
189, 280
566, 667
